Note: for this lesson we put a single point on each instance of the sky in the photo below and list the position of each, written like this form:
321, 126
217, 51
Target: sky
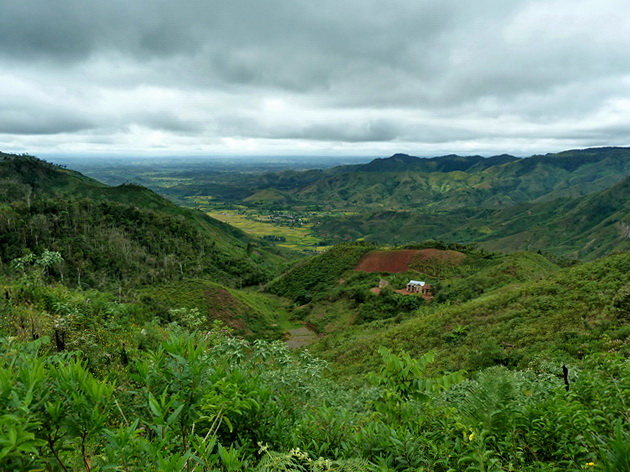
306, 77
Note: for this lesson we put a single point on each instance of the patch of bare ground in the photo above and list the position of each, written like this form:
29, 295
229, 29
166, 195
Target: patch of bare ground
403, 260
386, 261
226, 308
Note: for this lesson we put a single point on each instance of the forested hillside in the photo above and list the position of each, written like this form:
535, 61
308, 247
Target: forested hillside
586, 227
111, 387
119, 237
572, 204
450, 182
515, 311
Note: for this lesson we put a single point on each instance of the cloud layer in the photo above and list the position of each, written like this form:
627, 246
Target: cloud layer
304, 77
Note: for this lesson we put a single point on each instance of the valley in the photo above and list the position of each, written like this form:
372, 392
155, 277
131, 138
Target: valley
258, 317
500, 202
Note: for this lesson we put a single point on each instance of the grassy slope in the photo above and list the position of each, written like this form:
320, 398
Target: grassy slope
562, 316
249, 313
350, 299
589, 227
313, 277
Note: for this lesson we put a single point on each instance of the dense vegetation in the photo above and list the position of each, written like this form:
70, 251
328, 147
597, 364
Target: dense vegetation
106, 241
315, 275
566, 315
127, 343
211, 402
119, 238
108, 387
586, 227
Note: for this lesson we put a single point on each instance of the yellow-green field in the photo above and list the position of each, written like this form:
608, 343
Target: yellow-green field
297, 238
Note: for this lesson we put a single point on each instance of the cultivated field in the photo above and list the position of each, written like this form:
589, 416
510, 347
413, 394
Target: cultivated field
297, 237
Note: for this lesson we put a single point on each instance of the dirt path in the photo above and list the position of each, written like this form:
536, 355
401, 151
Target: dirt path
300, 337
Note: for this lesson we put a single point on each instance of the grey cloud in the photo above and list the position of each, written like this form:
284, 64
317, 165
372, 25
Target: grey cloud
72, 30
36, 121
409, 70
369, 131
166, 121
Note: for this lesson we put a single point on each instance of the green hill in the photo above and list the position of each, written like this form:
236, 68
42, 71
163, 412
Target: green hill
249, 314
450, 163
90, 383
450, 182
585, 227
314, 276
563, 316
119, 237
353, 284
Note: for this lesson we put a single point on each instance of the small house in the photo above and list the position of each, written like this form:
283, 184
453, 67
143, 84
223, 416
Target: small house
417, 286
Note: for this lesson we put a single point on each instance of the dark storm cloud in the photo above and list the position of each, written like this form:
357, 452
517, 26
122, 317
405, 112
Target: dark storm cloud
72, 30
409, 72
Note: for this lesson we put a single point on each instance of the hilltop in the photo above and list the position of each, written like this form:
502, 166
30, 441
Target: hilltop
556, 314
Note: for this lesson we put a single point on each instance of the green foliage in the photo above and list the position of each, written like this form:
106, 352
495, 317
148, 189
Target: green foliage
119, 237
214, 402
296, 460
402, 378
566, 315
621, 303
481, 273
199, 302
109, 245
89, 383
386, 305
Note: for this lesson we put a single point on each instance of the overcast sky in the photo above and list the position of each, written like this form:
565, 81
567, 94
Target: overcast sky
313, 77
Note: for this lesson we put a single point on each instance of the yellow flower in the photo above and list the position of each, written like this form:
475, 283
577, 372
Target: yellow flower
590, 464
472, 436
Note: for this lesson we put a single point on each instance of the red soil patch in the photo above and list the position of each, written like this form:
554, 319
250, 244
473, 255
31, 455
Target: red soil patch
398, 261
386, 261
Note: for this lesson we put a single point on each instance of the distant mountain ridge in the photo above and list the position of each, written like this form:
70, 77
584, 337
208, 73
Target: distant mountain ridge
448, 163
449, 182
402, 181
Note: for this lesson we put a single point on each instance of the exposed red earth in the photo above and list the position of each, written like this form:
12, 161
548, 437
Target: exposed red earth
400, 261
386, 261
